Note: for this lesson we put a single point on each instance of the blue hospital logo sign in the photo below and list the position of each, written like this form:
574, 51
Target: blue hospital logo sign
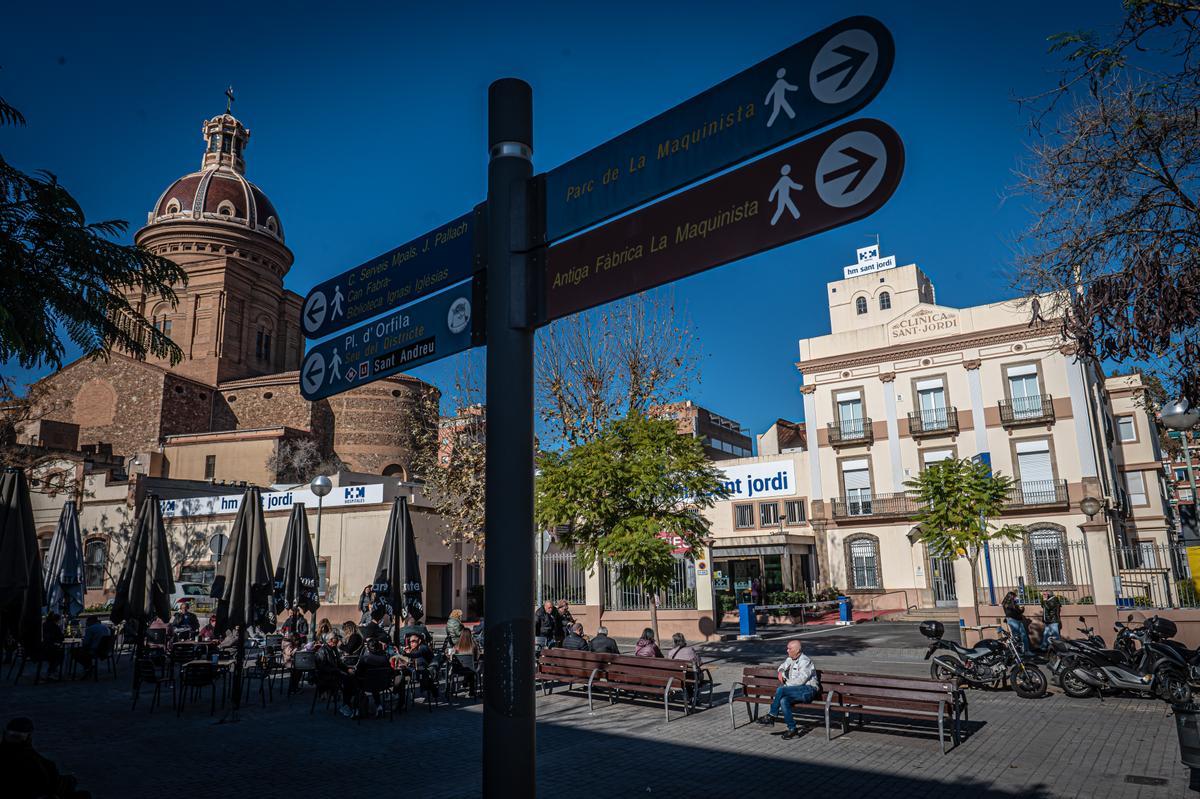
355, 495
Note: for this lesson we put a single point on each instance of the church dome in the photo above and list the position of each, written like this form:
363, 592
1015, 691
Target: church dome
219, 192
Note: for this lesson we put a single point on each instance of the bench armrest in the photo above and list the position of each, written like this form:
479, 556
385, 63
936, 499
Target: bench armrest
733, 690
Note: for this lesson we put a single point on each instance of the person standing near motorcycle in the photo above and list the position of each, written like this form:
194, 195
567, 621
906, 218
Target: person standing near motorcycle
1051, 618
1016, 619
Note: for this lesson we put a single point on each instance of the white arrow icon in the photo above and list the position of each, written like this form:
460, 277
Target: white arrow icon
851, 169
843, 66
313, 374
313, 314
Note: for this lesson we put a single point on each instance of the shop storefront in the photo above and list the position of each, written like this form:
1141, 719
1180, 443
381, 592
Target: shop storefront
751, 569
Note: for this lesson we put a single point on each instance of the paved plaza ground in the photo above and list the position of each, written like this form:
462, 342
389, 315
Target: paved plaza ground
1052, 747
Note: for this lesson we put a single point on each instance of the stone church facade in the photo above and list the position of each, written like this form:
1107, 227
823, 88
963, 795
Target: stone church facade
239, 330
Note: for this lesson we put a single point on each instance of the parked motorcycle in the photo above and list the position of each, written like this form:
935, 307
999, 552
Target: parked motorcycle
1143, 661
989, 663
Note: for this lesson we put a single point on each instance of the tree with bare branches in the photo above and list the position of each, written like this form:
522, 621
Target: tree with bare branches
299, 460
1115, 179
610, 362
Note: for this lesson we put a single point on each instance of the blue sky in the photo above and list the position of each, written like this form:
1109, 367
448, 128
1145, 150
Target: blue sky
368, 127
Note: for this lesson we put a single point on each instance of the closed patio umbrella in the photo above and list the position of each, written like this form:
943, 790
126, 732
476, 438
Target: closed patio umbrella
244, 583
63, 588
145, 586
20, 563
398, 573
297, 581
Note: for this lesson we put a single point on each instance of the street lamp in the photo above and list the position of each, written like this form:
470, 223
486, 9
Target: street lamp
1090, 506
1179, 416
320, 485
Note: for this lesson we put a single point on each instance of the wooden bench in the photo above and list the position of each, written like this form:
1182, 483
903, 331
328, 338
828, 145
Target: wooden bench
570, 666
909, 698
649, 677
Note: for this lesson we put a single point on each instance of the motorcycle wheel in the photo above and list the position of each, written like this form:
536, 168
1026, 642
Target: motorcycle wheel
1173, 689
1073, 686
940, 671
1028, 682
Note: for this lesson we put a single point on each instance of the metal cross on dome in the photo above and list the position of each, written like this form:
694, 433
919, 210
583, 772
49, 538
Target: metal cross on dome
229, 102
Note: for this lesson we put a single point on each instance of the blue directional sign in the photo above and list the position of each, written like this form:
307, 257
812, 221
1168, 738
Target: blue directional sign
425, 331
442, 257
822, 79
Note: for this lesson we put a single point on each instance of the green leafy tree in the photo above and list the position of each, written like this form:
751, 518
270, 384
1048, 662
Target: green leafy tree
958, 497
612, 497
63, 272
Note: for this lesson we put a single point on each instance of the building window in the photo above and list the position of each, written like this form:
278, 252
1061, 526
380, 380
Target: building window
210, 467
1036, 472
885, 301
860, 305
768, 514
743, 516
1024, 392
796, 513
931, 403
856, 478
1135, 483
934, 456
95, 555
1125, 428
850, 415
226, 142
1049, 558
863, 563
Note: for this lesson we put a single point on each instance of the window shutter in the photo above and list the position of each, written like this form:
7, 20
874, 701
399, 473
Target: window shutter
1033, 462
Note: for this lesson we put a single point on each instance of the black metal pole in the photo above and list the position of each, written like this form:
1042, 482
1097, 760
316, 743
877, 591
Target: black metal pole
508, 713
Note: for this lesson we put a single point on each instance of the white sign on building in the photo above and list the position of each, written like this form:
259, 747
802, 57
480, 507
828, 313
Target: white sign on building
272, 500
873, 265
760, 480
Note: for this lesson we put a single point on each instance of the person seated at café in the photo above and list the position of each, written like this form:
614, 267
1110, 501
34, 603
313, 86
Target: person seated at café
294, 630
52, 645
231, 638
209, 631
374, 629
93, 636
352, 640
373, 658
646, 646
574, 639
418, 656
185, 624
464, 658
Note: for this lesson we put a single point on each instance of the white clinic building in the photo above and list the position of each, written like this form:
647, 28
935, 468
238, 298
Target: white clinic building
900, 382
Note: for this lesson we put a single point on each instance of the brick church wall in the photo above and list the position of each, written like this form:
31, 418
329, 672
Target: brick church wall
117, 401
186, 407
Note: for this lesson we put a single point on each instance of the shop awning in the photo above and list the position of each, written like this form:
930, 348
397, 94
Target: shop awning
754, 545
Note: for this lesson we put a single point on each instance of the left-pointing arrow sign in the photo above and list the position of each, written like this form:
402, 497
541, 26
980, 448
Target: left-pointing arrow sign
313, 373
314, 311
429, 263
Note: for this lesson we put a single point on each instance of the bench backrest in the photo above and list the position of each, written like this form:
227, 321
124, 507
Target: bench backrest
634, 670
571, 660
761, 681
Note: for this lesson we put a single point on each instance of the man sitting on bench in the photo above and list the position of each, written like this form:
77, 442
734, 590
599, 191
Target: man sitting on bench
797, 683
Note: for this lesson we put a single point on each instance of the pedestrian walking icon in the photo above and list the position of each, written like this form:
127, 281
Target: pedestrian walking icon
781, 195
777, 97
337, 303
335, 366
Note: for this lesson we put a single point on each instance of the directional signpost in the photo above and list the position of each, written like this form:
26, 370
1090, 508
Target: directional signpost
431, 293
442, 257
820, 80
821, 183
433, 328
